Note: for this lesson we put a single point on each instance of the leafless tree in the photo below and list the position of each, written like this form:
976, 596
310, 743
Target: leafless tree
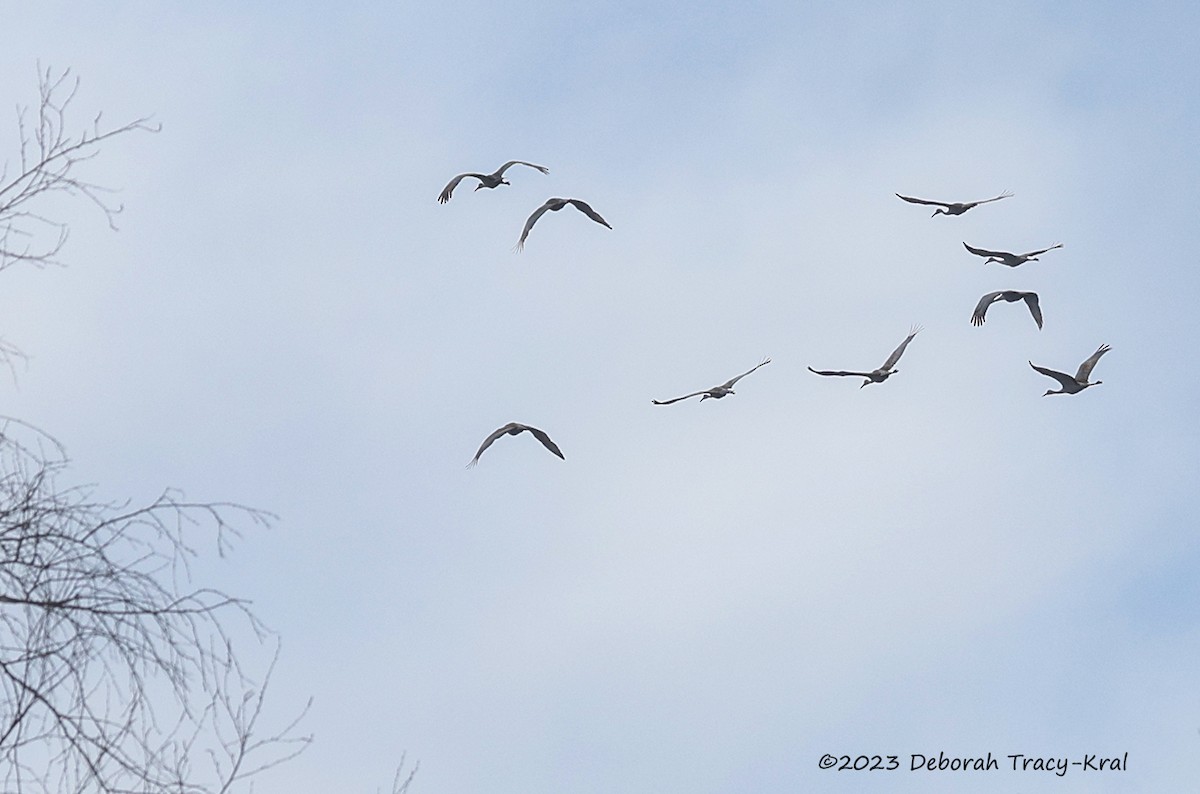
116, 672
49, 161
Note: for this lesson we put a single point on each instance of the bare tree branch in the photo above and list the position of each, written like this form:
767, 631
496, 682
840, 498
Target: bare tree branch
116, 673
50, 157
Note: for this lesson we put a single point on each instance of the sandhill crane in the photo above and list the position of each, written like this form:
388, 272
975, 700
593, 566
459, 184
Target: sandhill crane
716, 392
486, 180
953, 207
1074, 385
884, 372
1005, 258
512, 429
1010, 295
554, 205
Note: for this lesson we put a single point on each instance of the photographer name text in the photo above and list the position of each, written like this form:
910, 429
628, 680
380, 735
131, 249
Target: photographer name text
1014, 762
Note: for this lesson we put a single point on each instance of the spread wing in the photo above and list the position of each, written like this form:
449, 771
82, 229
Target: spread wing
1032, 254
984, 251
677, 399
1003, 195
1031, 300
729, 383
1085, 369
511, 163
539, 212
546, 442
487, 442
1065, 380
444, 196
583, 207
912, 200
981, 308
895, 356
838, 372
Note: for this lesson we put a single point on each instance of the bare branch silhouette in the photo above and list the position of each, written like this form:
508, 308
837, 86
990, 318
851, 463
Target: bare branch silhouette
117, 673
50, 157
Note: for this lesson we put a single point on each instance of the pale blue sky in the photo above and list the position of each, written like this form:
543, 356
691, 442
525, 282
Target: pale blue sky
701, 598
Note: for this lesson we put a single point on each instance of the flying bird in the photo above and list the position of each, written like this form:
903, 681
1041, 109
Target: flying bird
486, 180
954, 207
1005, 258
554, 205
716, 392
1012, 296
512, 429
1074, 385
884, 372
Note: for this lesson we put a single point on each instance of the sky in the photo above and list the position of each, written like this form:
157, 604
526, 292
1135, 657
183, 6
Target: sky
702, 597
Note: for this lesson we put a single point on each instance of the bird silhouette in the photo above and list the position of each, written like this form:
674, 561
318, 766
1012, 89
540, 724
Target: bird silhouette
876, 375
1010, 295
494, 179
554, 205
1005, 258
512, 429
716, 392
1076, 384
952, 207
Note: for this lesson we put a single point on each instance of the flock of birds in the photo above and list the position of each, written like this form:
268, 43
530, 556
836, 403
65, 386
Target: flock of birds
1070, 384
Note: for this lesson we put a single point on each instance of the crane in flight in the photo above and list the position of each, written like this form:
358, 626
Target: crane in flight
512, 429
494, 179
876, 375
1076, 384
952, 207
554, 205
716, 392
1012, 296
1006, 258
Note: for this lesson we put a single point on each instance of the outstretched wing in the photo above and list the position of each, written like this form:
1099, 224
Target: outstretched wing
1031, 300
912, 200
838, 372
985, 252
677, 399
511, 163
546, 442
1085, 369
583, 207
487, 442
1003, 195
444, 196
1032, 254
729, 383
895, 356
977, 317
539, 212
1064, 380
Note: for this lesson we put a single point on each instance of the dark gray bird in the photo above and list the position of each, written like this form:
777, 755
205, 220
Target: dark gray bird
884, 372
512, 429
554, 205
953, 207
1005, 258
716, 392
1074, 385
1010, 295
486, 180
